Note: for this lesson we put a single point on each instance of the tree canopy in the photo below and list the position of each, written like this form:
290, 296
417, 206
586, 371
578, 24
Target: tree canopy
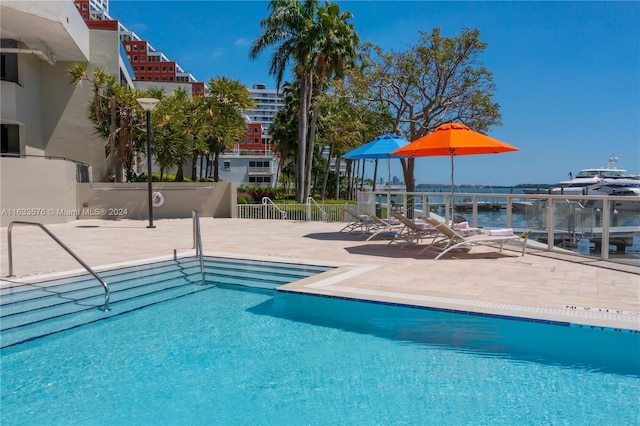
439, 80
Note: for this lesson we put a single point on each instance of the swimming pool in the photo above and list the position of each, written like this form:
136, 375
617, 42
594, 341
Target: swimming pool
230, 355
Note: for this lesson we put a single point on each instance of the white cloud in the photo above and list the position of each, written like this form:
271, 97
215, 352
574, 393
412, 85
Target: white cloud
242, 42
217, 52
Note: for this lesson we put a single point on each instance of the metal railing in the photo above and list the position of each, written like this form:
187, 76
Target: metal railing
558, 221
310, 211
105, 307
82, 169
197, 241
581, 225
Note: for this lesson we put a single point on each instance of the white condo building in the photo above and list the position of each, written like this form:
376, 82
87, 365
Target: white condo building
268, 102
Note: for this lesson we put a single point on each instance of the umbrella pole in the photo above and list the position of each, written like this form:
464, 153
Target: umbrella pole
453, 208
375, 174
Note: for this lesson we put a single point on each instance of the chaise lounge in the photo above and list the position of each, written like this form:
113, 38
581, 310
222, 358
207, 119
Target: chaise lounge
450, 239
383, 227
357, 222
411, 232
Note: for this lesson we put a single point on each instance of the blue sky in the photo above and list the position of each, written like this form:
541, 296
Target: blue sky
567, 73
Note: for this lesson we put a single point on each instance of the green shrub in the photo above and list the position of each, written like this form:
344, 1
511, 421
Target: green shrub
156, 178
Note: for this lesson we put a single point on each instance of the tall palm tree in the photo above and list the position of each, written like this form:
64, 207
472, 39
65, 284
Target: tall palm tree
336, 47
319, 42
288, 26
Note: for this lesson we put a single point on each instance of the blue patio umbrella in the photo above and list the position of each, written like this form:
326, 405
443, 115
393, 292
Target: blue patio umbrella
380, 147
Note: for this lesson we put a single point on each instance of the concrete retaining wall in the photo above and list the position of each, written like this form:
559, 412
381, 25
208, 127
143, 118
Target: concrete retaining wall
37, 190
46, 191
129, 200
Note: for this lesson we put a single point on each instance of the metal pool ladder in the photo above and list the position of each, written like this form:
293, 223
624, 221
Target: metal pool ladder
105, 308
197, 241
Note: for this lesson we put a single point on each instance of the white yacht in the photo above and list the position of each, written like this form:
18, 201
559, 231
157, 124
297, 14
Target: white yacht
588, 180
608, 180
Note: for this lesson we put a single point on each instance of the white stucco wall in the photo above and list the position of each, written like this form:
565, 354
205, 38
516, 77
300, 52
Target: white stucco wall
70, 133
37, 190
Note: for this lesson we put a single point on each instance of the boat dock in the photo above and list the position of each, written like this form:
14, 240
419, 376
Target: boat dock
619, 236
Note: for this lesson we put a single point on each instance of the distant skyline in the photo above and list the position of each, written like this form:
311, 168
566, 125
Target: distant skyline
567, 73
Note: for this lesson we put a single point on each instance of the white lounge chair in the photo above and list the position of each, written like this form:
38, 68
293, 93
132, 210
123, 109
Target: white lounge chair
383, 227
449, 239
412, 232
357, 222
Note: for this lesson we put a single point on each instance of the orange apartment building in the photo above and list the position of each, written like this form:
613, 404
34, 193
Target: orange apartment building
147, 63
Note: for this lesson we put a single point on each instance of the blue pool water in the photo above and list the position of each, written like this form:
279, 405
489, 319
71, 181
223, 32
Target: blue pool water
240, 356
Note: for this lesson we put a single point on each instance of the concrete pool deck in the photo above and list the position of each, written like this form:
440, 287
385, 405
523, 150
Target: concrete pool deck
539, 285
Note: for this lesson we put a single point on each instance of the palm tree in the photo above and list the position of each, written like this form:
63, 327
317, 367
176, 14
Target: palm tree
319, 42
227, 126
116, 117
336, 47
284, 132
100, 106
289, 26
196, 125
172, 135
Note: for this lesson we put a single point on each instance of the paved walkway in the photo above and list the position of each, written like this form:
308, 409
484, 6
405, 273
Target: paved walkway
539, 285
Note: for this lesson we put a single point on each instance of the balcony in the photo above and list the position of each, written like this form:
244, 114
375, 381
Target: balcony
55, 28
261, 171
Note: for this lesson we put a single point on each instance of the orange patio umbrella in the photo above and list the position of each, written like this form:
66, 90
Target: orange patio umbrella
453, 139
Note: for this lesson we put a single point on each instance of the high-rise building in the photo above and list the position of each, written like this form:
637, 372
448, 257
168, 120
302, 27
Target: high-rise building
147, 63
268, 102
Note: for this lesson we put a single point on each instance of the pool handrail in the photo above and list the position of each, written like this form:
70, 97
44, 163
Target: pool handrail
310, 201
197, 241
105, 307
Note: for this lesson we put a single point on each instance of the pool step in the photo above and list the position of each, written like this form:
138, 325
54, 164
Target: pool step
256, 273
32, 311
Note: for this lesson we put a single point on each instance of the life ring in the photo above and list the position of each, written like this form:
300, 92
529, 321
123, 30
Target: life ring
157, 199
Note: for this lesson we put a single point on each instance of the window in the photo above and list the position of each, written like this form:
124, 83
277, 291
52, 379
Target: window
156, 78
256, 141
9, 63
142, 48
135, 68
135, 58
256, 130
10, 139
226, 166
84, 6
259, 179
171, 68
170, 78
127, 48
149, 68
164, 68
135, 47
164, 78
157, 68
